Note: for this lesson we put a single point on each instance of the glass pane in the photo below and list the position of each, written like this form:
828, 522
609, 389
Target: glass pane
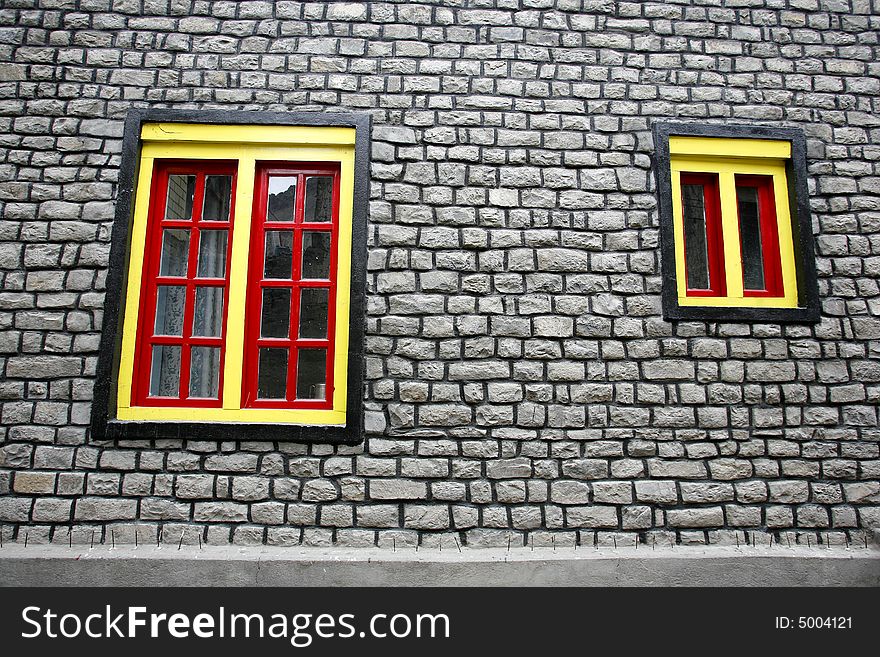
212, 254
170, 303
272, 380
316, 254
208, 312
279, 254
311, 374
313, 312
165, 371
696, 249
319, 198
175, 252
204, 372
218, 193
750, 235
282, 198
181, 190
276, 313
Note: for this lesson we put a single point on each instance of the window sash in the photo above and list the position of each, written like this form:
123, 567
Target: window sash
767, 229
708, 250
258, 283
148, 340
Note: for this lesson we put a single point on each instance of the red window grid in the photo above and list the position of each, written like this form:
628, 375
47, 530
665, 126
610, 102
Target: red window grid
257, 283
156, 224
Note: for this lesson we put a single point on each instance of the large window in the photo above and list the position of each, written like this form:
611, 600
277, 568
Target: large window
240, 280
736, 243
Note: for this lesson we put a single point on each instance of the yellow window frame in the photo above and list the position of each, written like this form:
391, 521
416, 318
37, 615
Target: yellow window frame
248, 144
726, 158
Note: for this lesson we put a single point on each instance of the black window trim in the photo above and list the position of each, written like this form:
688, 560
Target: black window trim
808, 309
104, 424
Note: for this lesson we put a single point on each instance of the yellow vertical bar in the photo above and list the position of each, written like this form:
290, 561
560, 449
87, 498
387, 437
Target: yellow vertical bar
343, 283
786, 246
137, 253
678, 232
238, 270
730, 233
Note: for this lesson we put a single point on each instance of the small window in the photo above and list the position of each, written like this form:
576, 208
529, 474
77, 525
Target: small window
240, 295
737, 243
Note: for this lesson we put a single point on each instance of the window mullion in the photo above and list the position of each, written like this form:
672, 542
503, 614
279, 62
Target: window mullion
730, 231
238, 277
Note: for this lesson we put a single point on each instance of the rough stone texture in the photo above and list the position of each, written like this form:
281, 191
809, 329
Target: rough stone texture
521, 383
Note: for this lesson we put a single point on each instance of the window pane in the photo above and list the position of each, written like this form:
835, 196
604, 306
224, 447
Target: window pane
316, 254
208, 312
272, 380
218, 192
696, 249
319, 198
276, 313
279, 254
212, 254
282, 198
181, 190
175, 252
311, 374
165, 371
750, 235
204, 372
170, 303
313, 312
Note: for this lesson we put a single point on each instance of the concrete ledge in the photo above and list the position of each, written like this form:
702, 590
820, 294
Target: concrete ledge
53, 565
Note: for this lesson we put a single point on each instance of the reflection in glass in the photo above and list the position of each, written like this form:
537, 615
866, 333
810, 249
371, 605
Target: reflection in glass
204, 372
313, 312
170, 303
279, 254
695, 240
165, 371
181, 191
212, 254
175, 252
750, 234
319, 198
282, 198
208, 312
276, 313
272, 377
316, 254
311, 374
218, 193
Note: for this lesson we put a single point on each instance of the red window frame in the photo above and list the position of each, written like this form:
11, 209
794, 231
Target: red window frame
156, 224
714, 236
257, 283
772, 259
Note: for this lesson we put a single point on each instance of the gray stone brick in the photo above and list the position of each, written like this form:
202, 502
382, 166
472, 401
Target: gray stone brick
592, 516
155, 508
515, 468
426, 517
250, 489
220, 512
663, 492
569, 492
397, 489
696, 517
99, 508
194, 486
48, 509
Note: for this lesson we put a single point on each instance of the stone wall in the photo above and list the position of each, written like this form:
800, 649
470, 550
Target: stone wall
521, 383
